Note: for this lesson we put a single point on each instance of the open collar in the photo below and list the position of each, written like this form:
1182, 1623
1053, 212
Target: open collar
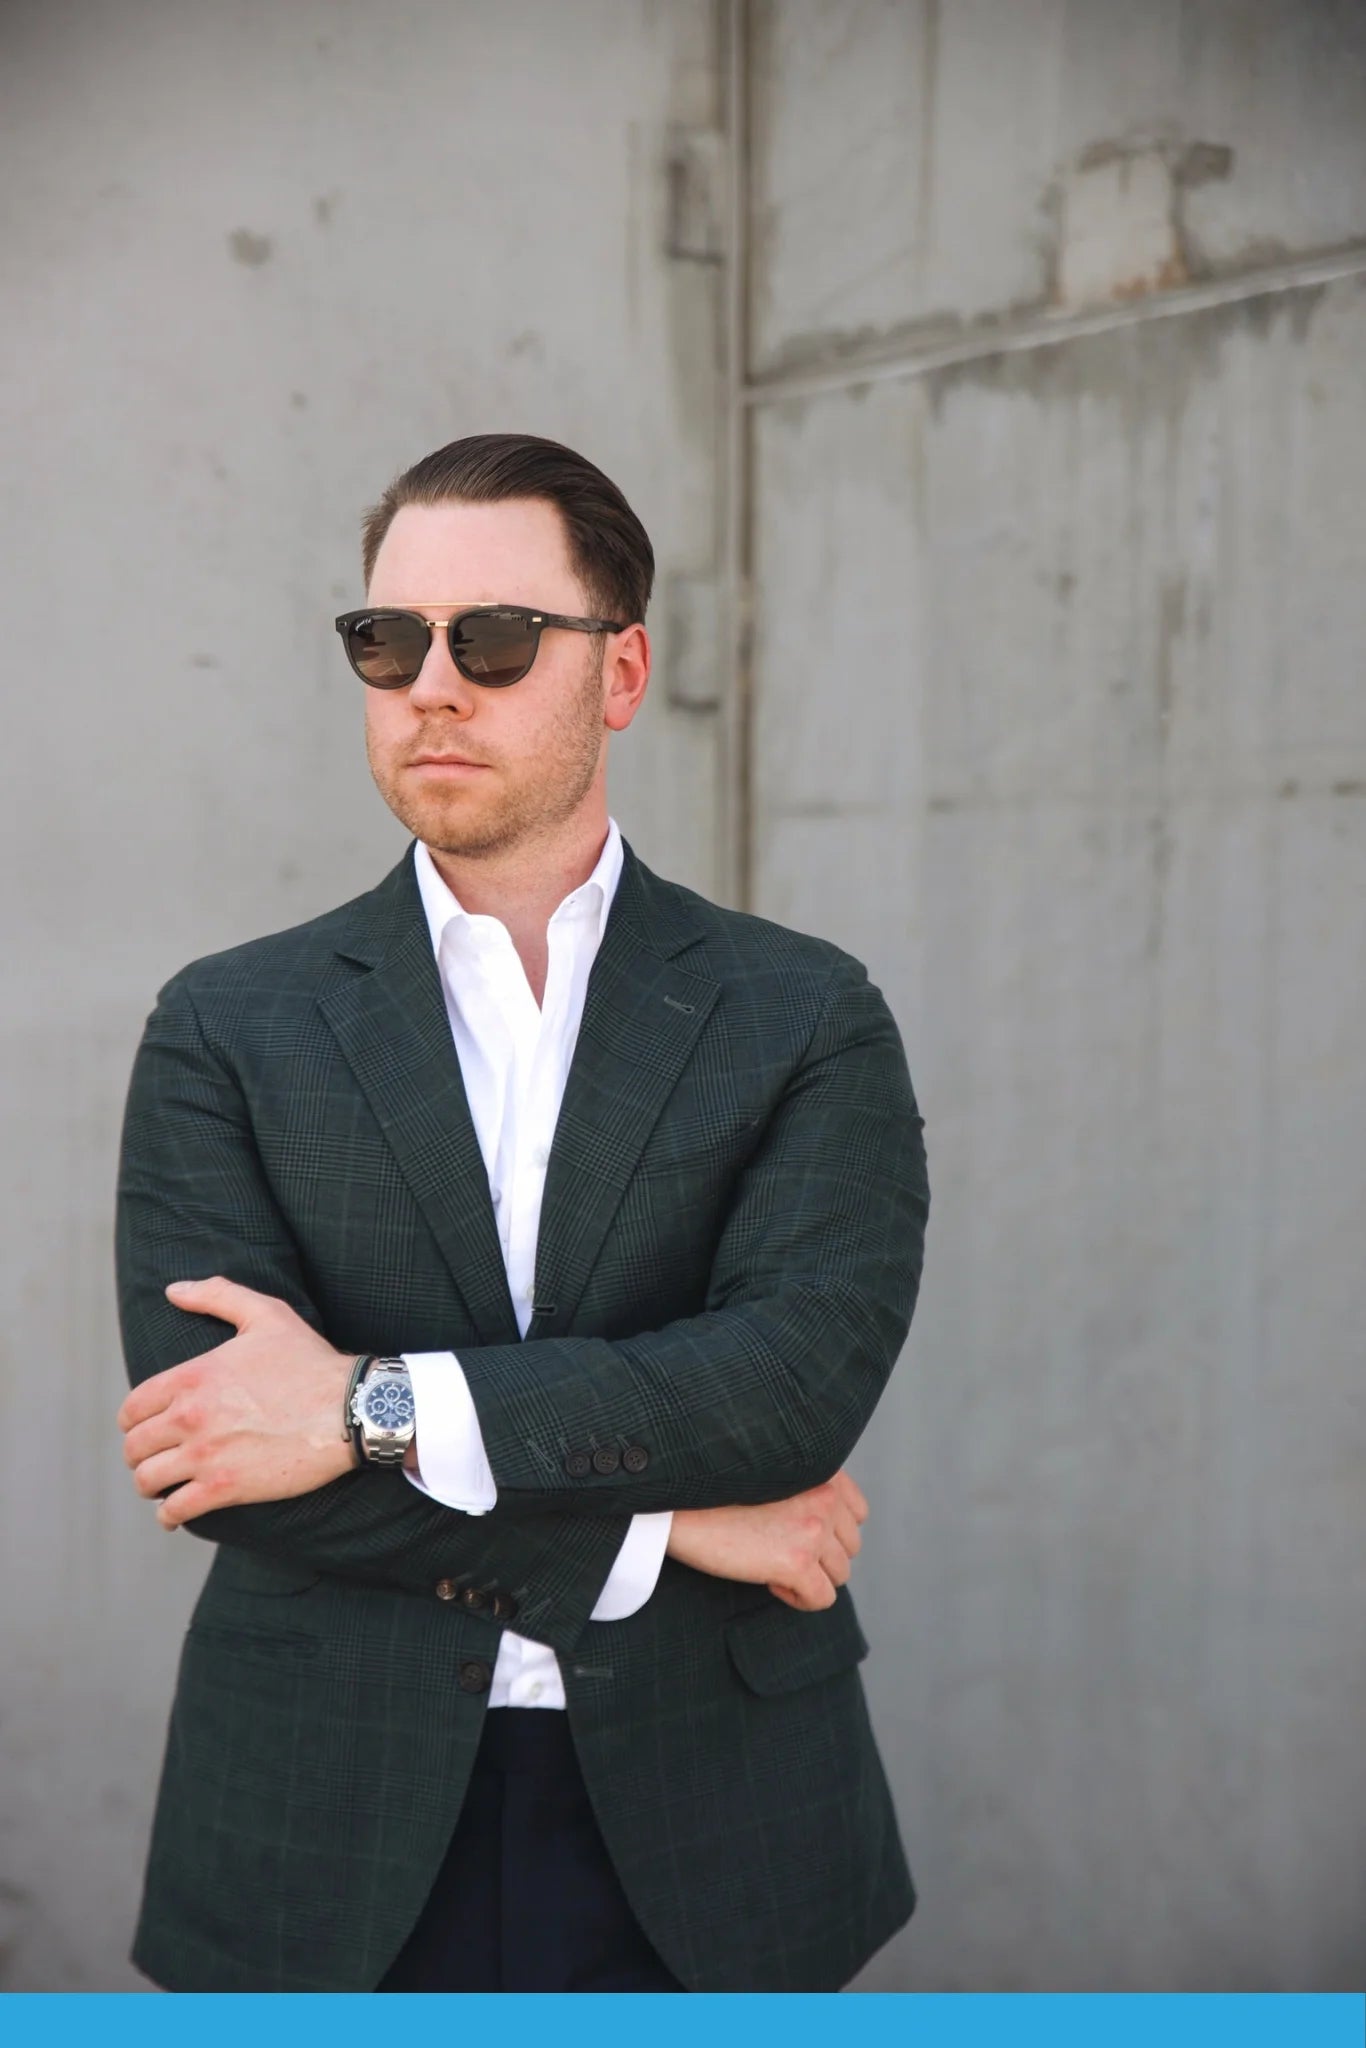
643, 1016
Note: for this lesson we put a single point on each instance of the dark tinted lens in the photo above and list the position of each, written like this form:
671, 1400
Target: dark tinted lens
494, 647
387, 650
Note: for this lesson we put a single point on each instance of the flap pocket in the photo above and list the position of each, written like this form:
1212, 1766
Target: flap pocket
250, 1571
778, 1648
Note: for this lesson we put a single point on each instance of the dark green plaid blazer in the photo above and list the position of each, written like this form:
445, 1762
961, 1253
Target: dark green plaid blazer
729, 1253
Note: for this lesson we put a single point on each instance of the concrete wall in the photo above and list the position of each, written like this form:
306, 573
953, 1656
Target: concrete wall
256, 258
1011, 361
1058, 443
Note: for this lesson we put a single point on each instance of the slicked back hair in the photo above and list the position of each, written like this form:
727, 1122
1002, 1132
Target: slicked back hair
609, 549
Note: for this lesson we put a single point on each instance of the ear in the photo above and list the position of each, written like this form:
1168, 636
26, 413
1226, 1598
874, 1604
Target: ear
626, 671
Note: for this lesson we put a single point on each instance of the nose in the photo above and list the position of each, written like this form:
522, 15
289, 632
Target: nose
439, 685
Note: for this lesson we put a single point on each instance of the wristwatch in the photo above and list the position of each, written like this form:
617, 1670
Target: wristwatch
380, 1413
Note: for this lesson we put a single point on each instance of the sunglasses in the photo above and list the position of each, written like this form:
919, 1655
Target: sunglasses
491, 644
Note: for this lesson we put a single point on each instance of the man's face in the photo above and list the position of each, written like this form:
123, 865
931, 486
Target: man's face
533, 751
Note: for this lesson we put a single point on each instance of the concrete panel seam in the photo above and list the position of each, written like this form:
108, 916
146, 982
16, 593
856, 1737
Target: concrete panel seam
1047, 332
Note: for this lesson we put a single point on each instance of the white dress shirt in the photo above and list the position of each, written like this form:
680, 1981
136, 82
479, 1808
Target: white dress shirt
515, 1057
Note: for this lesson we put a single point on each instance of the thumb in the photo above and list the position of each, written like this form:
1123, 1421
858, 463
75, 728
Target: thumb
217, 1297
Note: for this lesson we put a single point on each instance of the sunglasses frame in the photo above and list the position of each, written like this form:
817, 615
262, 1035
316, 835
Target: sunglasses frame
535, 620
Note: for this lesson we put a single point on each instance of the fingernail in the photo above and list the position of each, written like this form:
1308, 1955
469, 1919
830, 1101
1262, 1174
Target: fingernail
179, 1286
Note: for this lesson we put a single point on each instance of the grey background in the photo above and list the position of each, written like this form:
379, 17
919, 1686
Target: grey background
989, 375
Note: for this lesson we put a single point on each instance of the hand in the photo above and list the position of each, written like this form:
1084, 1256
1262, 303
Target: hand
799, 1548
258, 1418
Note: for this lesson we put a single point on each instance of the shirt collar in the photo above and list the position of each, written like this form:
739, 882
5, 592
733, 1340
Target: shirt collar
442, 908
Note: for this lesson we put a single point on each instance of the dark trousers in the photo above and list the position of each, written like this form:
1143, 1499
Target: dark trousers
526, 1898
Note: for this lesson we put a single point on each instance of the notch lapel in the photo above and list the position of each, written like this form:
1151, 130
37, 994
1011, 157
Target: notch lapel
642, 1018
392, 1026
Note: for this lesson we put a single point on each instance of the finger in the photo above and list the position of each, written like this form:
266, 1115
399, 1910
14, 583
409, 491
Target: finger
792, 1598
835, 1563
854, 1496
148, 1398
145, 1439
846, 1530
226, 1299
156, 1475
815, 1585
184, 1504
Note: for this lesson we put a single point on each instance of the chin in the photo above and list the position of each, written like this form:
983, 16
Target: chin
460, 829
454, 817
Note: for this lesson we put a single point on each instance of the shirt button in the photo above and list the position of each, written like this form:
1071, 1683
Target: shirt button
446, 1589
534, 1692
541, 1156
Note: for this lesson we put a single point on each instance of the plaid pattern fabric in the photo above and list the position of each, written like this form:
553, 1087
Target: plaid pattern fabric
729, 1254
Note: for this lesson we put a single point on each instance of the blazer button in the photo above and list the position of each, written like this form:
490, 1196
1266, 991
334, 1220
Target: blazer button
503, 1606
606, 1458
578, 1464
475, 1675
446, 1589
635, 1457
475, 1599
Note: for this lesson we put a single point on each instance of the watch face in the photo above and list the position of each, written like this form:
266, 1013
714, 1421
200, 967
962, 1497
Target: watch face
389, 1403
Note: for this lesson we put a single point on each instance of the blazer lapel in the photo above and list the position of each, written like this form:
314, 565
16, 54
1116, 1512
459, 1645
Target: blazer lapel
642, 1018
391, 1024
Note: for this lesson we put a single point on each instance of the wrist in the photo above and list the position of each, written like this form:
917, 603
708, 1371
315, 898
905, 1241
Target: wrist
349, 1428
682, 1529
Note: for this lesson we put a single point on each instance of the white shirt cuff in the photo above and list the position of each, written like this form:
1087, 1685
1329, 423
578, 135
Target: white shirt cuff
635, 1574
452, 1466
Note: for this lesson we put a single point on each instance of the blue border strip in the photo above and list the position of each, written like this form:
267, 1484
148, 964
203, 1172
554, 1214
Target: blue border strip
863, 2020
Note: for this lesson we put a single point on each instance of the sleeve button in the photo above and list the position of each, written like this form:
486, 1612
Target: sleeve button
635, 1457
475, 1599
606, 1458
446, 1589
578, 1464
503, 1606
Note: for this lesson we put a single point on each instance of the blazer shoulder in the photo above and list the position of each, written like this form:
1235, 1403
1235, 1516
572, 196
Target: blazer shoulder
302, 957
740, 944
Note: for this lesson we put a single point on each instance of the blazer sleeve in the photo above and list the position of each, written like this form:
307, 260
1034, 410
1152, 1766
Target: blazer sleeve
811, 1293
193, 1198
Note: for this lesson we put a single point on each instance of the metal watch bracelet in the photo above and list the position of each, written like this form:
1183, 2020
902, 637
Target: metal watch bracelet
352, 1430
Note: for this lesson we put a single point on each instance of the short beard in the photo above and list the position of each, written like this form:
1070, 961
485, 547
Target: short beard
573, 748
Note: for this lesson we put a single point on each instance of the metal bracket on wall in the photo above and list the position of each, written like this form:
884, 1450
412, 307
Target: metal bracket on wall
699, 196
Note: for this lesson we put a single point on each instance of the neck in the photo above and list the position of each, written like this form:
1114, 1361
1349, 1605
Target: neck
523, 885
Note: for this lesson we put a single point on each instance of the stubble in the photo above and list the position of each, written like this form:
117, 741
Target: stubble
531, 799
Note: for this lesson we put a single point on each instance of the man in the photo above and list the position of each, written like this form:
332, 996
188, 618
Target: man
528, 1240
